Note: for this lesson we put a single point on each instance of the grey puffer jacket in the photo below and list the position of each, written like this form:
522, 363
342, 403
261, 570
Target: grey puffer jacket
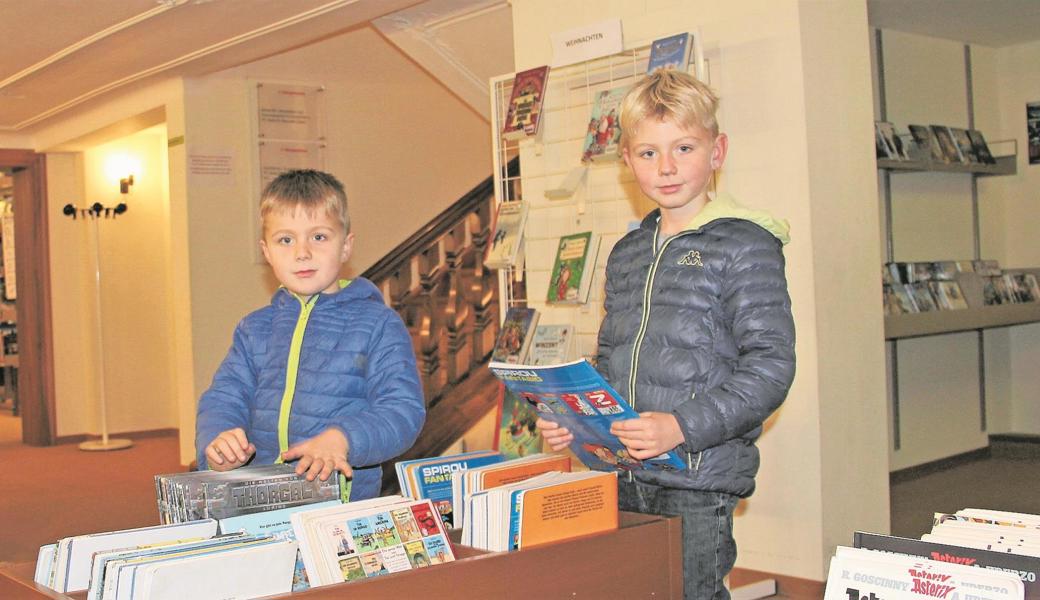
702, 329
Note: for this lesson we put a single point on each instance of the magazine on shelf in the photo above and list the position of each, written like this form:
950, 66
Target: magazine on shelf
925, 139
507, 239
604, 128
893, 144
960, 136
551, 345
514, 337
516, 435
951, 152
524, 112
430, 478
673, 51
948, 295
923, 299
897, 300
573, 268
978, 142
577, 397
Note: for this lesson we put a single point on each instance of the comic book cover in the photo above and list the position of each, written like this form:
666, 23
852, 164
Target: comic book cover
577, 397
524, 112
604, 128
516, 435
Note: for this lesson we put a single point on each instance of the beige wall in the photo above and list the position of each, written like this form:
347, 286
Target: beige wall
404, 147
795, 88
1018, 83
925, 81
134, 291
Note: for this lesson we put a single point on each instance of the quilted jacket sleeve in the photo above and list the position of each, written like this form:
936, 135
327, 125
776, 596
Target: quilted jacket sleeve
605, 343
757, 307
396, 410
225, 405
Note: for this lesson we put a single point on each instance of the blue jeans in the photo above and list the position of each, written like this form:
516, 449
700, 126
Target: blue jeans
709, 551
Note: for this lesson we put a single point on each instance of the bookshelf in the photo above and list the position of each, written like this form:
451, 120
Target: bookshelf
587, 567
977, 317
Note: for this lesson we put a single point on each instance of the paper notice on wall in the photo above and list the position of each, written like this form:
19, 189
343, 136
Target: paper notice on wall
216, 166
290, 112
279, 157
7, 231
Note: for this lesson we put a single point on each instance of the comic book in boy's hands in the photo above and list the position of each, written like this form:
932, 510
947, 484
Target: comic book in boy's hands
577, 397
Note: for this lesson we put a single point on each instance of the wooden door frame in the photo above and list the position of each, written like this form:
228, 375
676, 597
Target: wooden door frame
32, 269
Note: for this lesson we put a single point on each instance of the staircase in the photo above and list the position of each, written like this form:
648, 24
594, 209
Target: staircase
437, 282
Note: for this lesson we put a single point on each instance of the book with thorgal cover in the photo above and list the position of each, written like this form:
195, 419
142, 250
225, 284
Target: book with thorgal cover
430, 478
546, 508
514, 337
507, 239
577, 397
573, 268
524, 112
604, 129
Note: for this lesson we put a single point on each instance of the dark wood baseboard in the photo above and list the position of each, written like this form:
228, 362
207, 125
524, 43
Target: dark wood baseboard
794, 588
133, 435
916, 471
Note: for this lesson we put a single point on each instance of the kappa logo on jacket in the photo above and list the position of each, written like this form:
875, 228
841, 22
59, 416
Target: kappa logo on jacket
691, 259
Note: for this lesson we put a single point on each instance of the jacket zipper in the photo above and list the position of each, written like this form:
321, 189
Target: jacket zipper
291, 368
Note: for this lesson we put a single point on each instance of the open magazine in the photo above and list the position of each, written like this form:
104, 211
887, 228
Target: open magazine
577, 397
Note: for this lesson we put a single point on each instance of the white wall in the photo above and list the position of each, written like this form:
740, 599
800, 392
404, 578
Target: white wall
788, 73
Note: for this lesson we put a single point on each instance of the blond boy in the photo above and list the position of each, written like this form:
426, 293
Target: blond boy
698, 334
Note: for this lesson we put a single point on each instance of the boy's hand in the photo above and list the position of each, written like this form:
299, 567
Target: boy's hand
557, 437
229, 450
649, 435
321, 455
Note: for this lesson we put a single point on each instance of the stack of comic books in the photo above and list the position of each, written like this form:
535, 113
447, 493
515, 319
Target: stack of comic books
542, 509
575, 396
218, 495
465, 483
65, 566
430, 478
988, 542
370, 538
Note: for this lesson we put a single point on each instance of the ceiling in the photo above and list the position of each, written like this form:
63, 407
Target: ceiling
80, 50
995, 23
85, 50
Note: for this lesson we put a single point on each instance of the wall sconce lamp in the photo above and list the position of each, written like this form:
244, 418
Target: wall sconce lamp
125, 184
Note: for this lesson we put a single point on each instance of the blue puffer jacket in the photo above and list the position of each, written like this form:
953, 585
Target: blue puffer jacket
350, 365
701, 328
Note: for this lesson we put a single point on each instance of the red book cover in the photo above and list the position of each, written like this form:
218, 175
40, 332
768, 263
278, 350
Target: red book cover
525, 103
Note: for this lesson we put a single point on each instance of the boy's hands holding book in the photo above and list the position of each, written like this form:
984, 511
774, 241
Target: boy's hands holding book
229, 450
650, 435
557, 437
321, 455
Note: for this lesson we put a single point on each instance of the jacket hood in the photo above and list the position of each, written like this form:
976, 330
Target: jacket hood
351, 290
724, 206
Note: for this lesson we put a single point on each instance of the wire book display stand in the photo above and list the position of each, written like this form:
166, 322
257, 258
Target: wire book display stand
94, 214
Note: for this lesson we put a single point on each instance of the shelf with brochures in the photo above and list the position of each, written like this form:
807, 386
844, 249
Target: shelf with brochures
952, 321
1006, 165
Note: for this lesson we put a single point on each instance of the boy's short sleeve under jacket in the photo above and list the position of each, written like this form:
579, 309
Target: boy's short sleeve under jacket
355, 370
